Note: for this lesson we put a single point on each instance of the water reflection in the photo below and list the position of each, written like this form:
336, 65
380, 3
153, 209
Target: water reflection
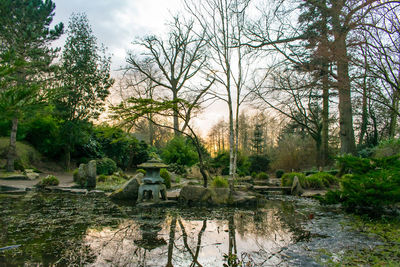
194, 238
78, 230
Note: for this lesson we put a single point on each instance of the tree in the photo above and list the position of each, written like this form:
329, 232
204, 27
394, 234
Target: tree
172, 64
135, 108
223, 23
258, 139
25, 58
342, 20
381, 54
85, 80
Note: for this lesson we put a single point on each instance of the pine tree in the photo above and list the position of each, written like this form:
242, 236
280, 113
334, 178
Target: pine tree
25, 59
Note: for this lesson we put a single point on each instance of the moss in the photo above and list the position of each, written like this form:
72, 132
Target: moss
27, 155
219, 181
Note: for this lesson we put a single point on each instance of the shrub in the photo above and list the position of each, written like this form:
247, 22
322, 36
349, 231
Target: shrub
177, 179
253, 175
320, 180
180, 151
166, 176
101, 178
141, 171
287, 178
49, 180
105, 166
220, 164
219, 181
75, 174
259, 163
279, 173
177, 168
386, 148
262, 176
373, 185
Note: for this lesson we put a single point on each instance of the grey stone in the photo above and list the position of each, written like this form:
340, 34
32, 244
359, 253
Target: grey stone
91, 174
198, 195
87, 174
129, 190
296, 189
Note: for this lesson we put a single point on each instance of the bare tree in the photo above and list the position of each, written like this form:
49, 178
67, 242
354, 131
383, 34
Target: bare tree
172, 64
223, 23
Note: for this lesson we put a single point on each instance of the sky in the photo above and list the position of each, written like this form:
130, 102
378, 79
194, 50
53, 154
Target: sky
116, 23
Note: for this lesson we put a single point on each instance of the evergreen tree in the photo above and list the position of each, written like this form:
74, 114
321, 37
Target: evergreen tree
85, 81
25, 59
258, 139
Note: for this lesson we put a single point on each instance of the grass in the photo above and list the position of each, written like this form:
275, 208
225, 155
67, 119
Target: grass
25, 153
110, 183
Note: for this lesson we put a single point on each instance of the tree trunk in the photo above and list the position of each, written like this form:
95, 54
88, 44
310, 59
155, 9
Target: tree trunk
176, 114
364, 116
325, 120
394, 114
67, 155
347, 140
12, 149
231, 149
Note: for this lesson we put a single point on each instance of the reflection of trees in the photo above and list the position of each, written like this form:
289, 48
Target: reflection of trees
198, 246
171, 240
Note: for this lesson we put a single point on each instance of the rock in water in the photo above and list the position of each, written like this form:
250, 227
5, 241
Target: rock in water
296, 190
91, 174
129, 190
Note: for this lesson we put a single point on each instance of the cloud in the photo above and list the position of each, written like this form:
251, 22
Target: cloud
116, 23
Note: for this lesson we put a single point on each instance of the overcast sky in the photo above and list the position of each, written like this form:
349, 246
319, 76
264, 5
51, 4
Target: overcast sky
116, 23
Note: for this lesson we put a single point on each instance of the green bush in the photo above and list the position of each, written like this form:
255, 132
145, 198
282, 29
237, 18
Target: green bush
101, 178
259, 163
387, 148
219, 181
320, 180
220, 164
166, 176
177, 168
253, 175
287, 178
141, 171
105, 166
180, 151
373, 186
262, 176
279, 173
49, 180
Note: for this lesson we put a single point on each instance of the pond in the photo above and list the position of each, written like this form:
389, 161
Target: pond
65, 229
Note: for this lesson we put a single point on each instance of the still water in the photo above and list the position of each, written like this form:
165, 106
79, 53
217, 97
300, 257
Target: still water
64, 229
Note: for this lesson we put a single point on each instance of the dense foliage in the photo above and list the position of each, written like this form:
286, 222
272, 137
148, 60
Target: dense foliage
372, 185
259, 163
166, 176
219, 181
180, 153
320, 180
220, 164
105, 166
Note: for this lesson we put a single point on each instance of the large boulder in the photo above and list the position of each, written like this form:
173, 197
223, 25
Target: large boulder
129, 190
91, 174
296, 189
86, 176
198, 195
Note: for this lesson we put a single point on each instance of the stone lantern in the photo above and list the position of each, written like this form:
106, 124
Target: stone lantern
152, 184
